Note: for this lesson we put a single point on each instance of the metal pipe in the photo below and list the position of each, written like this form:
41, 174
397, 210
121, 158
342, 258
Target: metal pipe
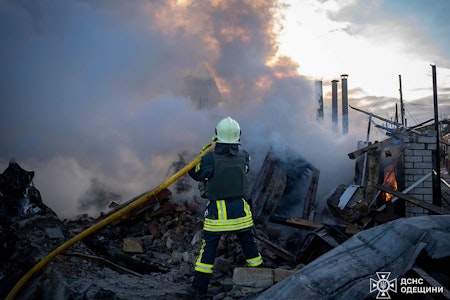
344, 103
334, 104
319, 99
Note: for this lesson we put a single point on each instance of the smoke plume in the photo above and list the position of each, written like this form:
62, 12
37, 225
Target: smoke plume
99, 97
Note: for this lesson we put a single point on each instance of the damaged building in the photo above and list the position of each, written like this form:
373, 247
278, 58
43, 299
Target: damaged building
387, 220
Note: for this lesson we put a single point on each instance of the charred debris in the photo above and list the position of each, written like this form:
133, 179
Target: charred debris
387, 220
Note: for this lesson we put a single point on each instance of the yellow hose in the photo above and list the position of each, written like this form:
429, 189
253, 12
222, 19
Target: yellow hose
147, 196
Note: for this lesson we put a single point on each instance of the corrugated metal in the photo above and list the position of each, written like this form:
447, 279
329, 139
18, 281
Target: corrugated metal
345, 271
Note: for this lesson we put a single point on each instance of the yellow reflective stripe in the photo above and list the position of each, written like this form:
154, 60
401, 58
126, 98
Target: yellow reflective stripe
221, 209
247, 209
237, 221
226, 228
202, 249
227, 225
199, 266
204, 268
197, 167
254, 262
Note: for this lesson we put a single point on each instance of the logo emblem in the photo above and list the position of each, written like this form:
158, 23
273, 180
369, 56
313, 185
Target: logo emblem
383, 285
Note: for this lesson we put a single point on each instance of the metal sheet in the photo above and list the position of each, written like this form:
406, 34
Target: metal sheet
347, 195
345, 271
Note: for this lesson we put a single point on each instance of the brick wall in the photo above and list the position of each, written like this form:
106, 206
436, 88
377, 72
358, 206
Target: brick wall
418, 156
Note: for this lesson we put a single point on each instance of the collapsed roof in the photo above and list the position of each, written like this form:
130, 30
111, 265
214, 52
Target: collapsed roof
345, 271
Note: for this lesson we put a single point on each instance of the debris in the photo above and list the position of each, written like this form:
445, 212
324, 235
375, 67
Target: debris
355, 208
150, 251
277, 249
105, 261
311, 225
432, 208
132, 245
319, 242
344, 271
371, 147
280, 274
259, 277
54, 233
285, 187
347, 195
431, 281
253, 277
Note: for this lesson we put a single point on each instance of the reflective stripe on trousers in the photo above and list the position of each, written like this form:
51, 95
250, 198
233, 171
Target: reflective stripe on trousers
210, 241
223, 223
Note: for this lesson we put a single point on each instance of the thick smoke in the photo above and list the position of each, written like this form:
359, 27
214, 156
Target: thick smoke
99, 97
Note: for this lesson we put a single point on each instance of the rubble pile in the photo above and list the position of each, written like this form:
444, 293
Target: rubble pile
147, 254
22, 214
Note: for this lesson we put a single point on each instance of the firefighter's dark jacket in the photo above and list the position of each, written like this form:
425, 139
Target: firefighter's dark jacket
224, 172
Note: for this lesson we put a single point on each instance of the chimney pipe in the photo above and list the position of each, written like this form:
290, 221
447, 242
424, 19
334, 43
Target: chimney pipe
319, 99
334, 104
344, 104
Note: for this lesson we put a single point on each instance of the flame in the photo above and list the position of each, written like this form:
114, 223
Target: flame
389, 181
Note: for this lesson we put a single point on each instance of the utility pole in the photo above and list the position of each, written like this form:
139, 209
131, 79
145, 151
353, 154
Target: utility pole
437, 158
396, 112
402, 108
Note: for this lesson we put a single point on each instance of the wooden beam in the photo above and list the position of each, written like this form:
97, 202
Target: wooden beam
431, 207
298, 223
277, 249
103, 260
378, 117
309, 225
377, 145
431, 281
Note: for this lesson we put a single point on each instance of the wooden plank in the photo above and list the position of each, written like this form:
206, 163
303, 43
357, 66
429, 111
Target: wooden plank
278, 186
431, 207
103, 260
298, 223
309, 225
268, 187
377, 145
277, 249
430, 280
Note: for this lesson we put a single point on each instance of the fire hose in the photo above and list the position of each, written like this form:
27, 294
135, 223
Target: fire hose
139, 201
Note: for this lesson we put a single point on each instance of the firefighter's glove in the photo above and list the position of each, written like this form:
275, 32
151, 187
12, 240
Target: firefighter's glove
205, 146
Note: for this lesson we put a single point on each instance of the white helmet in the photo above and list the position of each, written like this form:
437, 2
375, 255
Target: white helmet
228, 131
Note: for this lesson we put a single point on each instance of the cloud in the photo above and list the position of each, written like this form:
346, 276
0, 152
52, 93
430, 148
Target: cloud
373, 41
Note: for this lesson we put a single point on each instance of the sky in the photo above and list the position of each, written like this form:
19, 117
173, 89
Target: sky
100, 98
374, 42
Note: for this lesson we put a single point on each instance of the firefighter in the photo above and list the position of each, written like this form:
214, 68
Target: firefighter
222, 176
